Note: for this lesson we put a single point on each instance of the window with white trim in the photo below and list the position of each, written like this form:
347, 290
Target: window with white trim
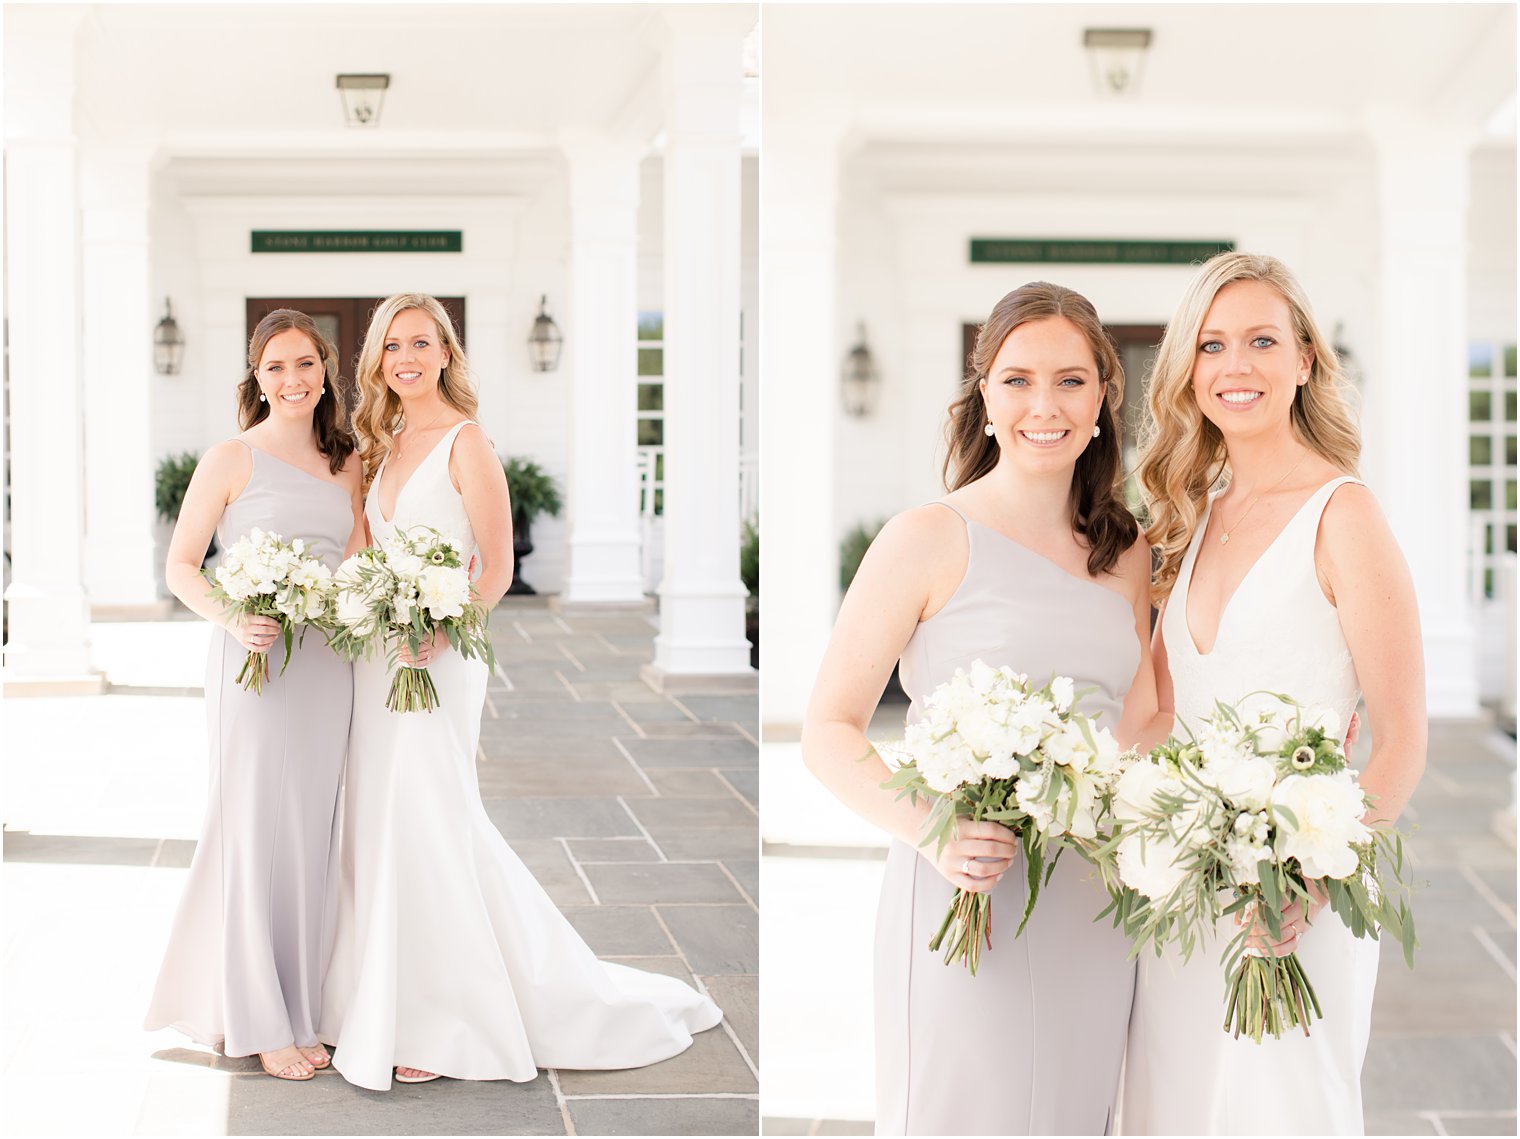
1491, 456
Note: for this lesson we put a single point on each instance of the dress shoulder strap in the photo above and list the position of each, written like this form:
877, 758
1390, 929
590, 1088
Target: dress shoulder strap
956, 510
1315, 507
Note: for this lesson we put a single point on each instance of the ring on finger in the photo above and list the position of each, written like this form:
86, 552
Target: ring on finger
966, 868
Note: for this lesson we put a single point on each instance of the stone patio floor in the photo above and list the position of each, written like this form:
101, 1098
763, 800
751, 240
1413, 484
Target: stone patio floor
637, 811
1442, 1057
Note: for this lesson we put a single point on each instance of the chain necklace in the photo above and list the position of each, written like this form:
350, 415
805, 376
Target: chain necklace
1224, 531
410, 431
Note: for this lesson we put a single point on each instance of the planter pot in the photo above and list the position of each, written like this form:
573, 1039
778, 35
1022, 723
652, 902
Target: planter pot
522, 546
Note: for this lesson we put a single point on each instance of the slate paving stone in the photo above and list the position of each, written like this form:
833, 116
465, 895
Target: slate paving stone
717, 845
612, 850
719, 753
505, 777
1397, 1123
722, 706
586, 817
660, 882
656, 711
689, 783
778, 1125
1502, 1124
677, 815
1436, 1073
715, 939
739, 998
686, 730
547, 729
621, 931
552, 867
1456, 986
329, 1105
738, 1116
711, 1064
747, 783
747, 872
23, 846
522, 745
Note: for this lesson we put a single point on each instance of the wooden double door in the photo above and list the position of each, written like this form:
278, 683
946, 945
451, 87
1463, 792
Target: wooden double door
344, 321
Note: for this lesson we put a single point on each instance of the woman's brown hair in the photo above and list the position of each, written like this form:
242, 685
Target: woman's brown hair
328, 417
1098, 513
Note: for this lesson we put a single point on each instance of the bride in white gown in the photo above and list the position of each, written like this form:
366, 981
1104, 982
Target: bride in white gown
1288, 580
450, 959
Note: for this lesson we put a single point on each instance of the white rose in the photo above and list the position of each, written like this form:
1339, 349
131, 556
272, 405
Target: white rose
1327, 812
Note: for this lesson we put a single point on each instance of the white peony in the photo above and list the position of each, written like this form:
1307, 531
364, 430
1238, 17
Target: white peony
443, 591
1327, 812
1135, 793
1151, 865
1245, 781
1063, 691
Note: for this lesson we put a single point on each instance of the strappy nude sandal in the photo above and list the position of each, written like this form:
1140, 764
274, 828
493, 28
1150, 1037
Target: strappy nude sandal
427, 1079
315, 1055
294, 1068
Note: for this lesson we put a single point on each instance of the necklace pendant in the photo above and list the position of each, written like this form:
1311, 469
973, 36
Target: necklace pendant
1224, 539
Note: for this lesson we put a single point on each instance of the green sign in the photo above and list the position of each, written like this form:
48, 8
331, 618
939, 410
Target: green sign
357, 241
1049, 251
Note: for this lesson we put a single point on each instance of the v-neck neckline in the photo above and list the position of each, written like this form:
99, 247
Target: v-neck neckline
1224, 610
385, 465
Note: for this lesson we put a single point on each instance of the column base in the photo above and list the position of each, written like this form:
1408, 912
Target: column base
697, 684
604, 571
1451, 671
569, 606
13, 685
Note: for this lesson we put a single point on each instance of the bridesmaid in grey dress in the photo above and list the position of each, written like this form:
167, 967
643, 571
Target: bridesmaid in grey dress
250, 941
1032, 561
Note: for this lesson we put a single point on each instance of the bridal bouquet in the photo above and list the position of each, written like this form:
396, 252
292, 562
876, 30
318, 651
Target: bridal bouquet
403, 591
1243, 818
991, 746
261, 575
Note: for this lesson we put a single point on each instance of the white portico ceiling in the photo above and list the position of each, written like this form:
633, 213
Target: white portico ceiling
237, 78
1239, 74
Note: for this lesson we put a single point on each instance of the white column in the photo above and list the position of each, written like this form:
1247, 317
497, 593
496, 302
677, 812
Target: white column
603, 357
799, 551
118, 368
1417, 397
701, 597
45, 599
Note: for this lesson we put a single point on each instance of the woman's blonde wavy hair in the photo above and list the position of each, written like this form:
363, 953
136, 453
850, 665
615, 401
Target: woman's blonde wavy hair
1182, 454
378, 415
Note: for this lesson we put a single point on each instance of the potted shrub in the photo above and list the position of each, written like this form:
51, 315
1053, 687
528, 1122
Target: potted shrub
852, 548
170, 481
749, 573
533, 492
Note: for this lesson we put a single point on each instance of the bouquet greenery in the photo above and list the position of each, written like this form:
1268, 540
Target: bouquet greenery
992, 746
1250, 813
401, 592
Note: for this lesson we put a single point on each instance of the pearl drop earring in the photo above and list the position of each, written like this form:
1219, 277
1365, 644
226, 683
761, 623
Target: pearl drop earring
1097, 431
263, 398
989, 430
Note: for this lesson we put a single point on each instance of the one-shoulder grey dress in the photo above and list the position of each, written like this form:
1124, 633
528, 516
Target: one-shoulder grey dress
254, 928
1031, 1044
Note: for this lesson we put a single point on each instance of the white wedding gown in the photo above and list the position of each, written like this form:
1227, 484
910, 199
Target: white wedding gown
449, 956
1184, 1075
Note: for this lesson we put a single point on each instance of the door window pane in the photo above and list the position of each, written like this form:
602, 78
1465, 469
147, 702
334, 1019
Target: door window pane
651, 361
1480, 360
1480, 492
1480, 406
1480, 451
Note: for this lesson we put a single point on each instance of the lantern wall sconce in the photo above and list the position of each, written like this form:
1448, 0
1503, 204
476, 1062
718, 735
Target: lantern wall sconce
168, 343
362, 96
859, 378
545, 340
1118, 56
